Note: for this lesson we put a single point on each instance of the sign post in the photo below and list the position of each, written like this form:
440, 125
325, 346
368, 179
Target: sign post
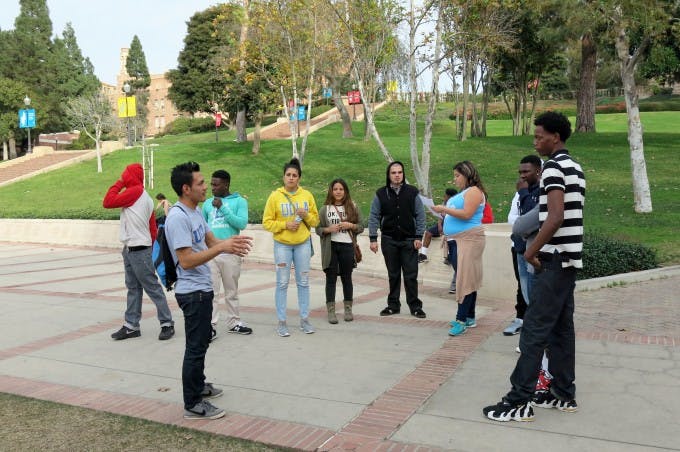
354, 98
27, 121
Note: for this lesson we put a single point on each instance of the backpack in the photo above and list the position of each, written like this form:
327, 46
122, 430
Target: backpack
163, 261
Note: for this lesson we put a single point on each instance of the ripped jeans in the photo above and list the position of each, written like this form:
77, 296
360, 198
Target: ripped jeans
298, 255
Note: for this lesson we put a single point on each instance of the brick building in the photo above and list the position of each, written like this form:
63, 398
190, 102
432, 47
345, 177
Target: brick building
161, 110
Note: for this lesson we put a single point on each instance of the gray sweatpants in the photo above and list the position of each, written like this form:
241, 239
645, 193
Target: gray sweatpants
140, 277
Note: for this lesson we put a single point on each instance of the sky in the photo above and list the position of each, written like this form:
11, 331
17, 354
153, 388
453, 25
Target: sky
104, 27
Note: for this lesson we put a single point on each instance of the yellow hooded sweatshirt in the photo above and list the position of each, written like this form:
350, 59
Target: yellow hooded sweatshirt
278, 211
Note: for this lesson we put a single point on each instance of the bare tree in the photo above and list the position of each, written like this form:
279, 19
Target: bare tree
370, 28
93, 115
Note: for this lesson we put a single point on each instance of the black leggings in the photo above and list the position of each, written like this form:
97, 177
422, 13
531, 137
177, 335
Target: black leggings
342, 263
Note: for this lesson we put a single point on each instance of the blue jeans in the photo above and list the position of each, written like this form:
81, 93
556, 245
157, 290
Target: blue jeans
140, 277
526, 277
197, 309
284, 256
466, 309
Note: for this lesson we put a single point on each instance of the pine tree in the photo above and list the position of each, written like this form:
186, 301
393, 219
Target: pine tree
74, 73
197, 81
136, 66
29, 50
138, 71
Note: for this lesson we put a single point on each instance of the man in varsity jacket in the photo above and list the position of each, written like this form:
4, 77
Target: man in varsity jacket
137, 232
398, 211
555, 253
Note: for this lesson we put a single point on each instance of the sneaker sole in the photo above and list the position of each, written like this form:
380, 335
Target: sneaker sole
198, 417
456, 335
510, 333
549, 405
212, 396
508, 419
240, 332
129, 336
307, 332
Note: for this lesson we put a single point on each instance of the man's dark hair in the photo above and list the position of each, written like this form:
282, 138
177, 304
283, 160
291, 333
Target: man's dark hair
222, 174
183, 175
451, 192
555, 122
387, 172
533, 160
294, 163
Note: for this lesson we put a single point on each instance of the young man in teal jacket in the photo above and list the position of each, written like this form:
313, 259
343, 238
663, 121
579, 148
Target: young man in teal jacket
227, 215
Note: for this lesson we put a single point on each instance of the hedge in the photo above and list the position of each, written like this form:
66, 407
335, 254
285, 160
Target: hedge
605, 256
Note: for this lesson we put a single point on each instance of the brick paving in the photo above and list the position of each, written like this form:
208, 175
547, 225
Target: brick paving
14, 170
641, 313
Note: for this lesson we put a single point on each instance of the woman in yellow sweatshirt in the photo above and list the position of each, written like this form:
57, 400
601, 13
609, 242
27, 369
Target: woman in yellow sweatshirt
289, 214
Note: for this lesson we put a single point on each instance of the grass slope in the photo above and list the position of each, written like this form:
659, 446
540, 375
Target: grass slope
77, 191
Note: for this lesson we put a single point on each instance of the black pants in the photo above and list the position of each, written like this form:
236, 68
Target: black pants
548, 323
520, 303
342, 263
197, 309
401, 257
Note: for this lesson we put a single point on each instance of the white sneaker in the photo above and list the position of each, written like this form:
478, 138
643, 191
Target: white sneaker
282, 329
306, 327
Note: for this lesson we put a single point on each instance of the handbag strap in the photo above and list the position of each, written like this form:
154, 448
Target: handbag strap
290, 201
350, 232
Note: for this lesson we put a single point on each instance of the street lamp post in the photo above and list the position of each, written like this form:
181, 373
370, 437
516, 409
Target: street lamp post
27, 102
126, 88
354, 105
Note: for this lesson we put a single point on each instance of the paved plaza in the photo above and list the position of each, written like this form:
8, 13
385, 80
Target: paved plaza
378, 383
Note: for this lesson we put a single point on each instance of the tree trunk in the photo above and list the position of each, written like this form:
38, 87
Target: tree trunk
98, 146
641, 194
585, 99
422, 168
413, 86
368, 110
344, 114
5, 151
256, 134
241, 136
466, 92
12, 148
291, 123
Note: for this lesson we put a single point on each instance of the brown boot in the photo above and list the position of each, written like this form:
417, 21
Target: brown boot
332, 319
348, 311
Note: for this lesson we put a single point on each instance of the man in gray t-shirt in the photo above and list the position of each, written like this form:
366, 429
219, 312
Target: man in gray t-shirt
192, 245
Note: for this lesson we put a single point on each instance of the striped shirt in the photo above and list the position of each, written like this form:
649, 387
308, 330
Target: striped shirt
560, 172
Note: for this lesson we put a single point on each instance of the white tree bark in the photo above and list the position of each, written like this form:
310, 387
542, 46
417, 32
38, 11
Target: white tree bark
421, 164
368, 108
641, 193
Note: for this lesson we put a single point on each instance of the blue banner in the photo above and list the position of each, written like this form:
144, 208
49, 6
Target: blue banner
27, 118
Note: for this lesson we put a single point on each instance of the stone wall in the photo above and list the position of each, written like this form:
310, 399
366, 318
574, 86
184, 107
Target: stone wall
499, 280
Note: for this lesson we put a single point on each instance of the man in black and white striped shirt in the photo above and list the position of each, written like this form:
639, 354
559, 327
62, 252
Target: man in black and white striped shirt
556, 255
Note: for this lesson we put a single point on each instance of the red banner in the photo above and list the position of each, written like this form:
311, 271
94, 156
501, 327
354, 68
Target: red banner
218, 119
353, 97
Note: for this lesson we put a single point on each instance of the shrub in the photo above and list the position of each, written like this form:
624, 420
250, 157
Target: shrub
604, 256
83, 142
193, 125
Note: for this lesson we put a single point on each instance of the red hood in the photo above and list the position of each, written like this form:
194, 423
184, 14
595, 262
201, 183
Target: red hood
133, 175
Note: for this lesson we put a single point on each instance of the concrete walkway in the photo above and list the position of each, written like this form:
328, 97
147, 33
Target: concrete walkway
395, 383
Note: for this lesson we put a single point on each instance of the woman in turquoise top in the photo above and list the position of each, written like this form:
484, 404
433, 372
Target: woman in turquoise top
465, 235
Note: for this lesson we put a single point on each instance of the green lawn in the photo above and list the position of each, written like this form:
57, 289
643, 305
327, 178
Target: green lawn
77, 191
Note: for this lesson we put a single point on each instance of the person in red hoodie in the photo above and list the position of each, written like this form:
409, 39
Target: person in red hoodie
138, 232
